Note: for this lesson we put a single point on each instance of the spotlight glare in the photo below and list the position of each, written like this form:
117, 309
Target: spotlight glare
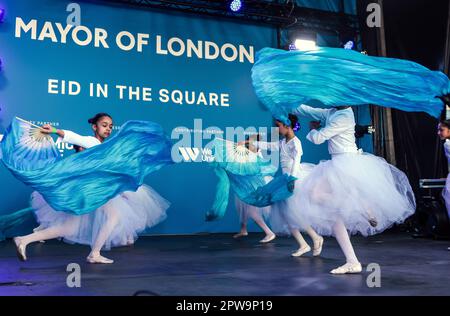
2, 14
236, 5
302, 44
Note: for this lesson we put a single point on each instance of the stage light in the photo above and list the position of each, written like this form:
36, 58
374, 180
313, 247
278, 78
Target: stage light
349, 45
302, 44
2, 14
292, 47
235, 5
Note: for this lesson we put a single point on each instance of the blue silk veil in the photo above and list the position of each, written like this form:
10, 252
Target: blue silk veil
246, 179
339, 77
81, 183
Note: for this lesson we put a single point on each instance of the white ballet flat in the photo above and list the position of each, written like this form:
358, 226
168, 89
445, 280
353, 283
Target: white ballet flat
21, 249
240, 235
348, 268
301, 251
268, 239
99, 259
318, 250
373, 222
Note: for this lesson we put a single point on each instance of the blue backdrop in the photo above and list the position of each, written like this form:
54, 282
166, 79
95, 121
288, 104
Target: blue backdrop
28, 64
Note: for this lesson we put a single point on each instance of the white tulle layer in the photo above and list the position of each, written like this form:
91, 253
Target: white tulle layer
136, 212
355, 188
246, 211
446, 194
289, 214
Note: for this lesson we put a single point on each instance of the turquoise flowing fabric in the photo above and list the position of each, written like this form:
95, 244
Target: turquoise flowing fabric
81, 183
246, 179
339, 77
14, 220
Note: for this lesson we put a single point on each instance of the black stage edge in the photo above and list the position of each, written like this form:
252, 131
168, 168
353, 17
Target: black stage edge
217, 265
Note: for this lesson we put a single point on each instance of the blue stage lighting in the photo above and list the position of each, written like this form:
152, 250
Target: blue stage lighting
236, 5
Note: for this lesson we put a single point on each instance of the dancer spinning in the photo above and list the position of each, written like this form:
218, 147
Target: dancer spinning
113, 224
353, 192
287, 216
444, 134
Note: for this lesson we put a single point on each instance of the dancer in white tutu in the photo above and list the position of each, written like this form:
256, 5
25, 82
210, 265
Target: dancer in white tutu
246, 211
287, 216
444, 134
117, 223
354, 192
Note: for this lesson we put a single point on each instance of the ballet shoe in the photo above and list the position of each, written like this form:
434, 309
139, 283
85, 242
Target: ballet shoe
301, 251
20, 249
373, 222
348, 268
317, 250
98, 259
239, 235
268, 239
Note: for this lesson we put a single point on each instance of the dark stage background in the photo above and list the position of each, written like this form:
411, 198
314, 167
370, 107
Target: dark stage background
415, 30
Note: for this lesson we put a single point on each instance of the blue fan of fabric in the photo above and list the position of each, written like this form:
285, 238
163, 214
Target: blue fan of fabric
246, 179
339, 77
81, 183
237, 159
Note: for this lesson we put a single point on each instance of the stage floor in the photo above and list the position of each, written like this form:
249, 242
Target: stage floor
219, 265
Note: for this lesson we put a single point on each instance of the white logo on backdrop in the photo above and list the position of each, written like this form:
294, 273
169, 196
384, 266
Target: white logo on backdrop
196, 154
190, 142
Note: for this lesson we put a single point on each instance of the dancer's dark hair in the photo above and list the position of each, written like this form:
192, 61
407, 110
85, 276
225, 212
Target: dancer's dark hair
445, 123
97, 117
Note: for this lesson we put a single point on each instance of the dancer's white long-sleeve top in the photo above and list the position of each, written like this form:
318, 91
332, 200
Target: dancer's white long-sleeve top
83, 141
447, 152
338, 130
447, 149
290, 154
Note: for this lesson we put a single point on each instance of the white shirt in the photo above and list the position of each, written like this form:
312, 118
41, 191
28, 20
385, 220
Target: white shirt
290, 154
83, 141
338, 130
447, 150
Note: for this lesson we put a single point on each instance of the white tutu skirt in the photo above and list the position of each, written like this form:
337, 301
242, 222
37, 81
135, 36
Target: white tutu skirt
354, 188
135, 211
246, 211
446, 195
289, 214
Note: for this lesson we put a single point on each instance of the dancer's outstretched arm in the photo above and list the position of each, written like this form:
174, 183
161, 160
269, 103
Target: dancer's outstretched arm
266, 145
316, 113
71, 137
